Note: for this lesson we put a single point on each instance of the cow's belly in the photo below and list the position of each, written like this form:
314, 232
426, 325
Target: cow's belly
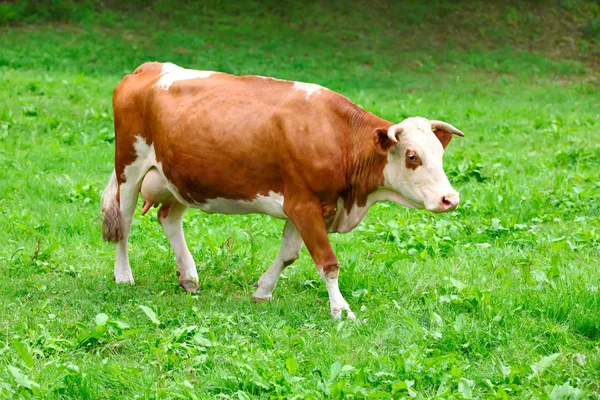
272, 204
156, 190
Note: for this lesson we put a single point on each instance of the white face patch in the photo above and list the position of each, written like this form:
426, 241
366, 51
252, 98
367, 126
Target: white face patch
427, 184
271, 205
309, 88
172, 73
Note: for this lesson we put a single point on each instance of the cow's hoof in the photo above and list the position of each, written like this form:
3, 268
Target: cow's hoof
123, 278
337, 314
257, 298
189, 286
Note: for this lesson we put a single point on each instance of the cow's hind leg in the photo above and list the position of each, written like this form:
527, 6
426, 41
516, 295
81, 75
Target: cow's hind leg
172, 224
128, 195
118, 207
289, 252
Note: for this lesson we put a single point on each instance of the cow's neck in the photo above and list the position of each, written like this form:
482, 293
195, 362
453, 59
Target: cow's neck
347, 219
365, 164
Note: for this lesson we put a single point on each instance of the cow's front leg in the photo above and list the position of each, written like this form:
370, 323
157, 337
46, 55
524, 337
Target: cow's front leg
172, 224
290, 251
336, 300
307, 215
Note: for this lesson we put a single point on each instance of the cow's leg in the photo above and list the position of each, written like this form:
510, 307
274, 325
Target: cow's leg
173, 226
307, 215
128, 194
289, 252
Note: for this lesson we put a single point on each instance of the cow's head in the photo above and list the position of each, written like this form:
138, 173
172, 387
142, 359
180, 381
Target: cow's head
414, 170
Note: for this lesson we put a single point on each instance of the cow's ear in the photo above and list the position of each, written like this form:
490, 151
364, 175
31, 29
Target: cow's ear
383, 143
443, 136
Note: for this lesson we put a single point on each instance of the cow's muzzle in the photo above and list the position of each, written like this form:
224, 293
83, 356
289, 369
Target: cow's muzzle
447, 202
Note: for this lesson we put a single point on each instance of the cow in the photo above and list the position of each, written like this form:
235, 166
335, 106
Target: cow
251, 144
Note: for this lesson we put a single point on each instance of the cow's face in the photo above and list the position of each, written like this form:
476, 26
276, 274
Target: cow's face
414, 169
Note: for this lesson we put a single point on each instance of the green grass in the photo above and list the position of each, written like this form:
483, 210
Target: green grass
497, 300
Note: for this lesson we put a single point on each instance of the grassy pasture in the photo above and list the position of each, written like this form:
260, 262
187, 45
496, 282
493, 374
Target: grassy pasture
496, 300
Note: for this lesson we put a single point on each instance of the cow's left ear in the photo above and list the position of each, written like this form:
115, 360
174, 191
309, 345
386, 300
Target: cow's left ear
443, 136
383, 142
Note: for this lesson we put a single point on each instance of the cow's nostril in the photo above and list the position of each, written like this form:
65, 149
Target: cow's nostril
446, 201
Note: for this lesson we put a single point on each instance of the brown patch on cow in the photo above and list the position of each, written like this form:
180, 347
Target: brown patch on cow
368, 147
112, 225
412, 160
443, 136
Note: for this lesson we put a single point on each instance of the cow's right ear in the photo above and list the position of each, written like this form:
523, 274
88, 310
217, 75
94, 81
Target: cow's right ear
383, 142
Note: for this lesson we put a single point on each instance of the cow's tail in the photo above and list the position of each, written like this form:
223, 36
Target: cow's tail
112, 223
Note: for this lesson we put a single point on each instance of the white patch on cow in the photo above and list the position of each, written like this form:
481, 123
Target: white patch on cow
271, 205
172, 73
309, 88
336, 300
269, 78
344, 222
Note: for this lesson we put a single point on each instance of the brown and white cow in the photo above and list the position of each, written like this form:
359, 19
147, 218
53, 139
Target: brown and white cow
249, 144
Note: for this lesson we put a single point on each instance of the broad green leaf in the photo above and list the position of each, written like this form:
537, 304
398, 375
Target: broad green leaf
565, 392
437, 319
335, 369
24, 353
121, 324
22, 379
554, 272
201, 340
151, 314
404, 386
101, 319
464, 388
545, 362
460, 322
292, 365
457, 284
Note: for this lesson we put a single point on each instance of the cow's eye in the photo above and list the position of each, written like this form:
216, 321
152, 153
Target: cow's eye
412, 160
